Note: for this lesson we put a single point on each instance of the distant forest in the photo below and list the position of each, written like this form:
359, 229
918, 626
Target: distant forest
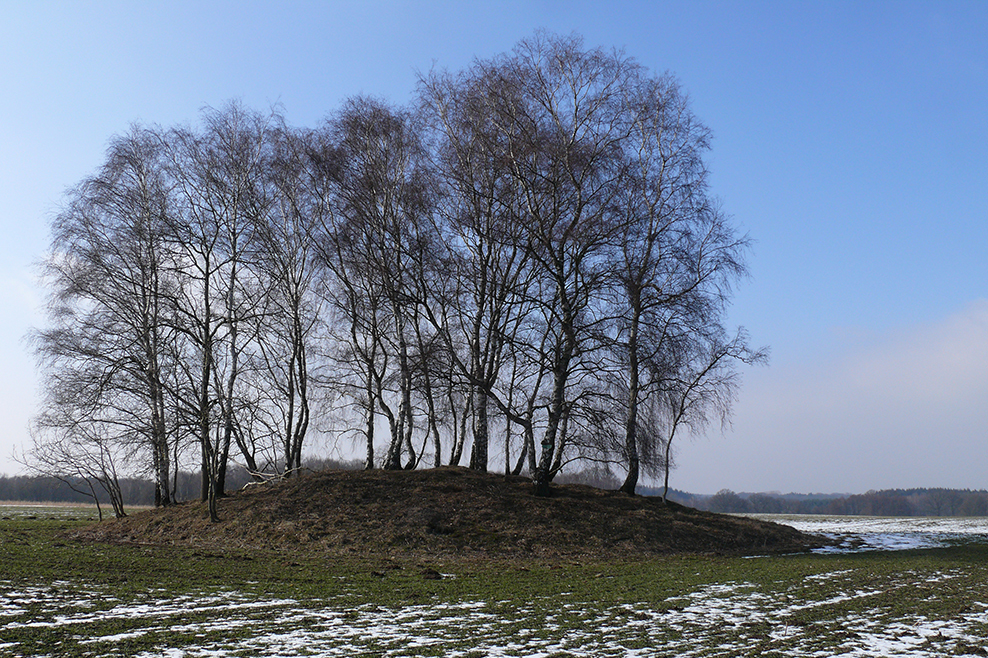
891, 502
137, 492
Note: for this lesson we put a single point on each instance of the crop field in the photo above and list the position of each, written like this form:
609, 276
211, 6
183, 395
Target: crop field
63, 598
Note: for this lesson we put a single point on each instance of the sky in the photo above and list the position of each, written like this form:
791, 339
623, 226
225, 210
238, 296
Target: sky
850, 143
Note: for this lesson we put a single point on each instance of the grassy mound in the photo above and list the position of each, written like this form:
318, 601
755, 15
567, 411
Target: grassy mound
449, 512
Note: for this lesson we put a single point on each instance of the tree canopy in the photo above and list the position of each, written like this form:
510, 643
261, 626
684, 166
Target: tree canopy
526, 257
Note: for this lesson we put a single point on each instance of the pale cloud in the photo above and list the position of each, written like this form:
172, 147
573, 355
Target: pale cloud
903, 409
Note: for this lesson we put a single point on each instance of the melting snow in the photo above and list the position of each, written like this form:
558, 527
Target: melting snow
725, 619
722, 619
866, 533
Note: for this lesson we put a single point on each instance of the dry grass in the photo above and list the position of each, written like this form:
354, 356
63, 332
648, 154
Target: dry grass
449, 512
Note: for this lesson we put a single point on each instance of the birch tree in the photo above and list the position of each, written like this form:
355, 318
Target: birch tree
105, 354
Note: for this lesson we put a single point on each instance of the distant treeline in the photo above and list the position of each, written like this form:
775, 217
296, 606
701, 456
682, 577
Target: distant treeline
44, 489
889, 502
136, 492
892, 502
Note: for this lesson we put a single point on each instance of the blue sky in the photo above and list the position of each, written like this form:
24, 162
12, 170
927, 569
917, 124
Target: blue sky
850, 142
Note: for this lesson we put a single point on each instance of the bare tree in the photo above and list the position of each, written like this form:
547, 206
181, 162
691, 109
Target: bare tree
563, 123
80, 445
678, 255
293, 309
105, 353
219, 182
575, 199
704, 387
482, 238
376, 243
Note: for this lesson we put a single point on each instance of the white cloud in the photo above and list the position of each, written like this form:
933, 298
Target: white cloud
908, 408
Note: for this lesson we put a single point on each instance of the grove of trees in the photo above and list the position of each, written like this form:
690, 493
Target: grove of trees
889, 502
522, 268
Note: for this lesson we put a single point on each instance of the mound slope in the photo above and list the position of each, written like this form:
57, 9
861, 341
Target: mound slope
449, 512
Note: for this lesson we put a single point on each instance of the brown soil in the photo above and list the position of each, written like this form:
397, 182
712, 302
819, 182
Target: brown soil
449, 512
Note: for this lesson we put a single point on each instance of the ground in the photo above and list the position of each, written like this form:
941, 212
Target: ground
452, 512
180, 598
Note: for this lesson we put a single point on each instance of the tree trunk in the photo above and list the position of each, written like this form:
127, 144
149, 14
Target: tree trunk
481, 435
369, 426
668, 464
544, 472
631, 427
457, 453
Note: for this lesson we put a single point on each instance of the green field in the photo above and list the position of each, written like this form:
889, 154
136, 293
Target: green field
62, 598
